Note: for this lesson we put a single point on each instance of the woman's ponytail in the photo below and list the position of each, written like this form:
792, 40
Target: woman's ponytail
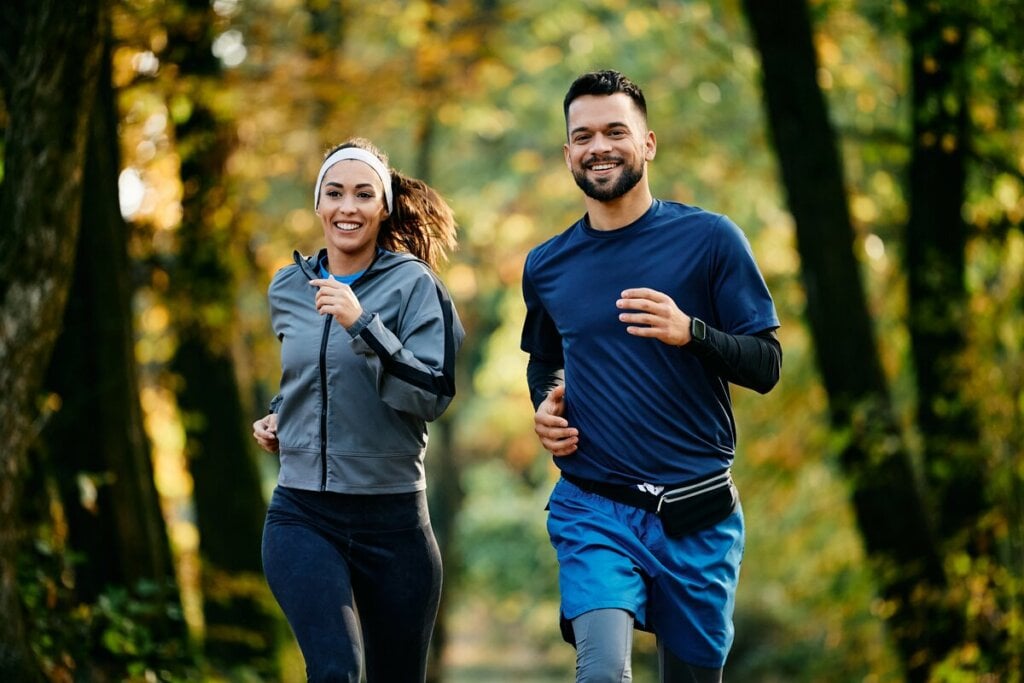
421, 222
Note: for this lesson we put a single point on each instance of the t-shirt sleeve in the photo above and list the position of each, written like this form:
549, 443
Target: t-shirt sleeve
743, 304
541, 338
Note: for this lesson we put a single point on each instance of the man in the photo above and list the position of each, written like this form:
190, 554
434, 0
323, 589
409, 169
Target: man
638, 317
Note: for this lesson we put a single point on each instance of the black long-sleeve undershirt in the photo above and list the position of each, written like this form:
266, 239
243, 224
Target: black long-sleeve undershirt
753, 361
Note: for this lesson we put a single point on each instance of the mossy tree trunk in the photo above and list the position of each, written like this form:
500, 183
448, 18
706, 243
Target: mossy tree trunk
227, 490
50, 53
892, 513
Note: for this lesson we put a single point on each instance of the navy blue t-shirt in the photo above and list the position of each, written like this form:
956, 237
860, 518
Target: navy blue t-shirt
646, 411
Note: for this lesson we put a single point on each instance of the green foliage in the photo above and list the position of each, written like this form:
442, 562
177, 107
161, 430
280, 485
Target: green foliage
817, 618
122, 636
503, 540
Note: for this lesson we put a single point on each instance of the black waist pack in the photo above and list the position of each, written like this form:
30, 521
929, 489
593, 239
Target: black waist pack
698, 505
683, 509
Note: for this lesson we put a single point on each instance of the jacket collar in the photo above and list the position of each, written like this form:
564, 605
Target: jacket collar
383, 260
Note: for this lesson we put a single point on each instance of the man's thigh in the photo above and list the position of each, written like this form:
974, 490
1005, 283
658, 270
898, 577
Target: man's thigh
693, 592
600, 554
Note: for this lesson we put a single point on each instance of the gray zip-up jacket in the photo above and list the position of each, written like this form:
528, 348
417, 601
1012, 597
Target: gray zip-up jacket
354, 403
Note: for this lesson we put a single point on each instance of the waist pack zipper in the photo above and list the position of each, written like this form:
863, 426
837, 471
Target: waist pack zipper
675, 495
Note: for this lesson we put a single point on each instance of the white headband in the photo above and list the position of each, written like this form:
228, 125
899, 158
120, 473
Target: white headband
359, 155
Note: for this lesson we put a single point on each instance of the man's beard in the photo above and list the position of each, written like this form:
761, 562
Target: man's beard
627, 180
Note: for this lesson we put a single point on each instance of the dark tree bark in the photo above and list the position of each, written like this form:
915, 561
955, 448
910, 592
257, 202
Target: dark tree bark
890, 510
935, 244
98, 433
443, 467
445, 490
445, 462
49, 65
227, 492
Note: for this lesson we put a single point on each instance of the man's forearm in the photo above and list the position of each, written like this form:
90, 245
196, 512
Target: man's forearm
749, 360
542, 377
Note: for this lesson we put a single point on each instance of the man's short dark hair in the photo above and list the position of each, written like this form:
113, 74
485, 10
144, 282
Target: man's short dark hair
607, 82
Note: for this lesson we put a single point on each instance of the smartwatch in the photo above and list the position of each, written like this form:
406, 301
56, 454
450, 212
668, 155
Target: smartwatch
698, 330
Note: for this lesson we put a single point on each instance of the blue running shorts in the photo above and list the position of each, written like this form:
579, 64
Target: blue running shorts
612, 555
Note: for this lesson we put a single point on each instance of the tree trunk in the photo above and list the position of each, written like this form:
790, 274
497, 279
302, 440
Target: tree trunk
935, 245
890, 510
446, 496
50, 64
444, 489
229, 509
227, 491
115, 521
445, 462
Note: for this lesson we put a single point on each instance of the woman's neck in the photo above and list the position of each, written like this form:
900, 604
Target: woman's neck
340, 263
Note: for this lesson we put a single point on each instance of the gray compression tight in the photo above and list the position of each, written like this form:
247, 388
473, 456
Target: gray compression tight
604, 646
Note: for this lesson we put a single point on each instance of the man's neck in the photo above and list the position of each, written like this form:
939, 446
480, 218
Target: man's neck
620, 212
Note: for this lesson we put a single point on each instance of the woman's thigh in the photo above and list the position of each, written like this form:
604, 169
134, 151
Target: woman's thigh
311, 582
397, 584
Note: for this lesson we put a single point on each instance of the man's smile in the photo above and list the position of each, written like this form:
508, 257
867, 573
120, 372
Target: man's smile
602, 165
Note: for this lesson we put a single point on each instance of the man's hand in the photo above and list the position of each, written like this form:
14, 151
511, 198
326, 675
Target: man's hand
553, 430
655, 315
264, 430
337, 299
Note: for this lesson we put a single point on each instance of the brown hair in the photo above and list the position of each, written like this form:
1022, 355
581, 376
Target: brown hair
421, 222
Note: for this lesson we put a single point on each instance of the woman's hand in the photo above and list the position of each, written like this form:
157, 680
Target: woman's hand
337, 299
264, 430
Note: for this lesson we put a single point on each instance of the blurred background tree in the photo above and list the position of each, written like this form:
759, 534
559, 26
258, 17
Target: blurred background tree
50, 55
872, 152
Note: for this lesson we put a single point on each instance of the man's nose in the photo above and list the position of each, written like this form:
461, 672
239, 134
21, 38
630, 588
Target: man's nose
600, 143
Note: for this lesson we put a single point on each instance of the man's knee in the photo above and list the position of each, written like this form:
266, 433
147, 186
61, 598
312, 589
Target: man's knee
333, 673
675, 670
604, 646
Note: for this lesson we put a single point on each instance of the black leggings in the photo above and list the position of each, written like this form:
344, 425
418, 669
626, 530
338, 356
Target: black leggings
358, 577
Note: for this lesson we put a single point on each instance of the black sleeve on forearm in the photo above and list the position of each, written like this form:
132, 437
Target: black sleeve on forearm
749, 360
542, 377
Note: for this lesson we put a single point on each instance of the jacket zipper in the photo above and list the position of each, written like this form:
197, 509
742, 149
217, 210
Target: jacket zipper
323, 402
300, 261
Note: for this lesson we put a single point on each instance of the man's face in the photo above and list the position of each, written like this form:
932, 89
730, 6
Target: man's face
608, 145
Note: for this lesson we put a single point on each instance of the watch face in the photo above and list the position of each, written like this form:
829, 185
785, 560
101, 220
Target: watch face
698, 330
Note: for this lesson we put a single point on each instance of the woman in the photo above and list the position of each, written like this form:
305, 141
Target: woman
368, 340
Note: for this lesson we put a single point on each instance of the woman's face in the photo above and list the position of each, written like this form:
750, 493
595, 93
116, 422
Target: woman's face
352, 207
